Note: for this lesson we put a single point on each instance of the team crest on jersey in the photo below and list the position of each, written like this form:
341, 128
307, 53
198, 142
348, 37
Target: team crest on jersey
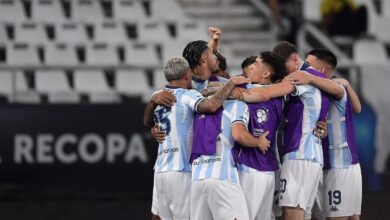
262, 115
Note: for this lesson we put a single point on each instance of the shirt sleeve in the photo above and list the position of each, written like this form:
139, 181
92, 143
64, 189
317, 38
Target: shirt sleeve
240, 113
192, 98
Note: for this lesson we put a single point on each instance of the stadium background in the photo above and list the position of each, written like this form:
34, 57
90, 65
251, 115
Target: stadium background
75, 76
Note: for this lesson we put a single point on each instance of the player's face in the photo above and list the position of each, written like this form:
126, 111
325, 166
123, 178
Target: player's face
292, 63
317, 64
254, 71
211, 60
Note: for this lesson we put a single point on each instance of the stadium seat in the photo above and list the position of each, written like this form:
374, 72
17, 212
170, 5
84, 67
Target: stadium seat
55, 84
101, 54
159, 80
21, 54
311, 10
381, 29
22, 92
128, 10
30, 32
6, 83
110, 32
94, 83
369, 52
141, 55
172, 49
71, 32
153, 31
89, 11
159, 9
47, 11
11, 11
191, 30
386, 8
3, 34
132, 83
51, 81
60, 55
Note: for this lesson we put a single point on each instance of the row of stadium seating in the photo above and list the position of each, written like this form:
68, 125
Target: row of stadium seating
87, 10
110, 31
60, 86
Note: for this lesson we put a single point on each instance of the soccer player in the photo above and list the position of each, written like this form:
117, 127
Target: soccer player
247, 65
302, 151
215, 191
340, 197
257, 168
172, 169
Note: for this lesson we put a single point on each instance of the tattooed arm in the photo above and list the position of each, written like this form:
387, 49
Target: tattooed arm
212, 104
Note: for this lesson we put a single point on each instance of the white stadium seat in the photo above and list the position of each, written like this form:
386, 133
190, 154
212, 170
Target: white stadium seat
71, 32
22, 55
30, 32
141, 55
11, 11
128, 10
60, 55
101, 54
47, 11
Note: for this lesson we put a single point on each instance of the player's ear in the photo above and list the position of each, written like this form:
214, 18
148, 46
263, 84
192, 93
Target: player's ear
203, 57
267, 74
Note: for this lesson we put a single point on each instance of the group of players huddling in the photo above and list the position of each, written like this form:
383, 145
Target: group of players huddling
221, 141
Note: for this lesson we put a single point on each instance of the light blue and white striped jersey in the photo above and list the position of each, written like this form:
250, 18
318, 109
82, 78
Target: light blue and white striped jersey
339, 153
310, 147
176, 121
221, 165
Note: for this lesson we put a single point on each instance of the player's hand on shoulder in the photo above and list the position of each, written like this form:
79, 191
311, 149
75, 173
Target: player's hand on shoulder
238, 80
298, 78
165, 98
342, 82
237, 93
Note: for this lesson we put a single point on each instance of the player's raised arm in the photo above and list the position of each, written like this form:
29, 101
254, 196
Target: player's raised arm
326, 85
212, 104
215, 35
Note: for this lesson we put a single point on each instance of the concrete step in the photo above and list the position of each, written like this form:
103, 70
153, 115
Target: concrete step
234, 24
246, 36
209, 12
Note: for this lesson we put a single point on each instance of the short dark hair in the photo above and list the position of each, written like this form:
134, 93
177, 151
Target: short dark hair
193, 51
222, 65
284, 50
248, 61
276, 64
325, 55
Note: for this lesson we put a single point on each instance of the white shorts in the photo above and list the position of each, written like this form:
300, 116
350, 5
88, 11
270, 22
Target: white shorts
154, 198
342, 193
277, 210
259, 190
299, 183
317, 211
173, 193
214, 199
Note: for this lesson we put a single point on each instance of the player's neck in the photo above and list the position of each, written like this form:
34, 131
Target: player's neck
201, 73
178, 84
